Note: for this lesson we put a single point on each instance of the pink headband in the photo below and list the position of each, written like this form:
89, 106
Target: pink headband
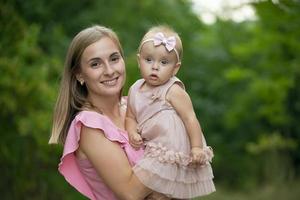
159, 38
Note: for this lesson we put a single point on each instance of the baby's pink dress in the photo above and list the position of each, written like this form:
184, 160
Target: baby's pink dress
165, 165
80, 173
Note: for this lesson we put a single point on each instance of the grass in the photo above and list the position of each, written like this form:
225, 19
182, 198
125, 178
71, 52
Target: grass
284, 191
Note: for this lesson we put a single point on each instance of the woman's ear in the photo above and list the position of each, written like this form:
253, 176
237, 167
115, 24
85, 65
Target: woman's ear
176, 68
79, 78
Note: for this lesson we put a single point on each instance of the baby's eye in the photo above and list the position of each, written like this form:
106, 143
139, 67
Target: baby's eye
148, 60
164, 62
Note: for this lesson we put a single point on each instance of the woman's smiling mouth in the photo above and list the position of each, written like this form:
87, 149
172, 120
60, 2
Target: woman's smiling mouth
111, 82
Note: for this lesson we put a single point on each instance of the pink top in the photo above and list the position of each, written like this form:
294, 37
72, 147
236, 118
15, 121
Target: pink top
80, 173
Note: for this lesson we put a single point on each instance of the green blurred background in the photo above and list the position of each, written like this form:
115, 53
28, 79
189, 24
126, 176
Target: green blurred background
243, 78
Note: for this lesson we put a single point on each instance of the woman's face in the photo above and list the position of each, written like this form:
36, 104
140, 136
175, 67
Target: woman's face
102, 68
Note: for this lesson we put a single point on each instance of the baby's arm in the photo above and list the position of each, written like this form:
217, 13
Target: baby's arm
182, 103
135, 138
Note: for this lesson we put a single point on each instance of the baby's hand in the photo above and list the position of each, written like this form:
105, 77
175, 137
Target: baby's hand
135, 140
198, 156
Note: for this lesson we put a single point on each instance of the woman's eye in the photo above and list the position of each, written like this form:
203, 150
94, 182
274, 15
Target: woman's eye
115, 58
95, 64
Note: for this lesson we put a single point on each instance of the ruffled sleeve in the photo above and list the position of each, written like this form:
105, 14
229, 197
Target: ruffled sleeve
68, 166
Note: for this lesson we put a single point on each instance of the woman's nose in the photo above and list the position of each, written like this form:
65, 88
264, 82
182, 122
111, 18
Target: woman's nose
109, 69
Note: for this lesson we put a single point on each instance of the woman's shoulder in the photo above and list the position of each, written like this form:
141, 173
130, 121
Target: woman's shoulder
89, 118
95, 120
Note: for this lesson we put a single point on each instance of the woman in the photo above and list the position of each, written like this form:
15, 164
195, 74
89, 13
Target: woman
89, 119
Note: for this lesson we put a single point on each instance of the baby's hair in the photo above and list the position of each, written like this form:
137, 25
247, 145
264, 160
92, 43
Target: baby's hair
167, 31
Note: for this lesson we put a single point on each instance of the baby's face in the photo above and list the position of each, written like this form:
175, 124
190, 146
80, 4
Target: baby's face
157, 64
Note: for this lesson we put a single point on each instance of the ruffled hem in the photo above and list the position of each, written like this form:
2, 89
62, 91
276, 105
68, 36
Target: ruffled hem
172, 172
174, 188
165, 155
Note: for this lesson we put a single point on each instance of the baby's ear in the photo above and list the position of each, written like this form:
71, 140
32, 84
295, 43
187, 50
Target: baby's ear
176, 68
138, 56
178, 64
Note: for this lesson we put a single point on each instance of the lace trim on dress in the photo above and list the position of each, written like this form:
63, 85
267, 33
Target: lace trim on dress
165, 155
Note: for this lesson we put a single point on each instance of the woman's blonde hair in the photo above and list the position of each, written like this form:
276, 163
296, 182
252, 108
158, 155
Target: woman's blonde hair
167, 31
73, 96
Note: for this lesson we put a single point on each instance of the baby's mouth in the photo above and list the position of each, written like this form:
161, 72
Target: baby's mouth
153, 76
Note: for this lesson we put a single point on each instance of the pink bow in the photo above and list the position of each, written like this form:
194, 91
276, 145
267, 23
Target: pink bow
169, 42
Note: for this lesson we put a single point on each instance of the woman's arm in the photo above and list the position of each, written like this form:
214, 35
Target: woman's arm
112, 165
